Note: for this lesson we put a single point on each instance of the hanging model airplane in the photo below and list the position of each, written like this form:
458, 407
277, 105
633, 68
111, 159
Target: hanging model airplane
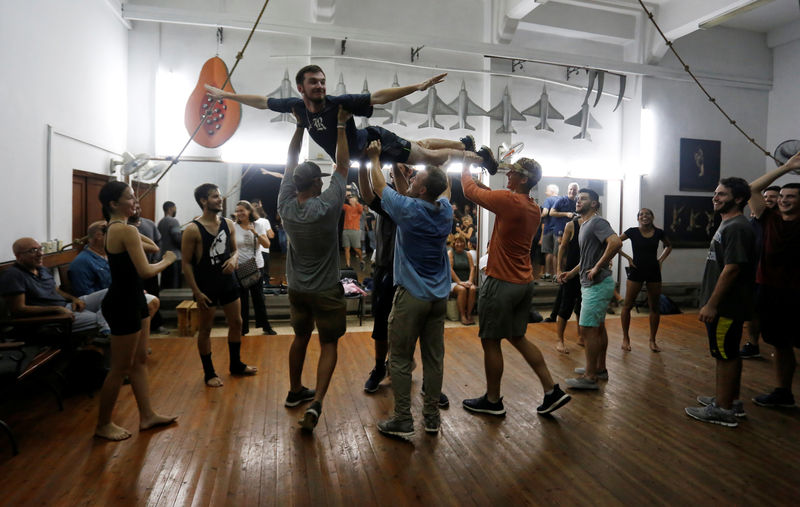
394, 107
464, 107
376, 113
544, 111
584, 120
340, 88
431, 105
284, 91
506, 113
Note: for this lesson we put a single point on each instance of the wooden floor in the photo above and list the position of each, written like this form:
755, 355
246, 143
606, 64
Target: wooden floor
630, 443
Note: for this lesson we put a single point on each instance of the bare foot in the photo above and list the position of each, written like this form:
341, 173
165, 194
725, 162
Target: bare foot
626, 345
157, 420
112, 432
654, 347
561, 347
247, 370
214, 382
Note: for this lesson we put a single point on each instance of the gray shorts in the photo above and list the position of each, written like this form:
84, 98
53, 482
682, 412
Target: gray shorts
503, 309
550, 243
351, 238
327, 309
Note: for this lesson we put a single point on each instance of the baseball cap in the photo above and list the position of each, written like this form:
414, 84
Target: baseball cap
306, 172
527, 167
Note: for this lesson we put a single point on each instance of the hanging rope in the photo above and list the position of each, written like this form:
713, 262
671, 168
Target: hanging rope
239, 56
710, 98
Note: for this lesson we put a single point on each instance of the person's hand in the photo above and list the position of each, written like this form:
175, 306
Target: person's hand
215, 92
631, 264
229, 266
794, 162
78, 305
344, 115
202, 300
592, 273
707, 313
374, 149
430, 82
170, 257
251, 227
562, 277
63, 310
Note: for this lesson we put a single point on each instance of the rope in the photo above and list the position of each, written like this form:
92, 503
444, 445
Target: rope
713, 100
239, 56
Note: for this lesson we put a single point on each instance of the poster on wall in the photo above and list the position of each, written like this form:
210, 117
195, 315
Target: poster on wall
689, 221
699, 165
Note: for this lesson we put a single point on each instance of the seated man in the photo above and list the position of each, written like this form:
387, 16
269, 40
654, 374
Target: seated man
30, 290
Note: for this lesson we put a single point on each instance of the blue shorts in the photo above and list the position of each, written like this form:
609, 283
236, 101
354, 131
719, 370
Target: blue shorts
595, 299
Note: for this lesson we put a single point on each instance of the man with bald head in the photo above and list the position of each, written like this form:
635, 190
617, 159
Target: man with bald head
29, 289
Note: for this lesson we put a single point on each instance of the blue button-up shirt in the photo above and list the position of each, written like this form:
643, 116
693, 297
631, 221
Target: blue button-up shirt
89, 273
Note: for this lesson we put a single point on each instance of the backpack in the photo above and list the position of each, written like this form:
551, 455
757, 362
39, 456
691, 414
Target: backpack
666, 306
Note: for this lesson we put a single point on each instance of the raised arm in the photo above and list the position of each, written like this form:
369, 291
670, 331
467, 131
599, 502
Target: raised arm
294, 145
390, 94
257, 101
378, 181
342, 149
758, 185
400, 180
364, 184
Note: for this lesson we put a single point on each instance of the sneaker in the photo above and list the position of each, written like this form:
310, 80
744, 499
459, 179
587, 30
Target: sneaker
468, 142
484, 406
549, 319
268, 331
601, 375
432, 424
311, 416
553, 401
749, 351
444, 401
778, 398
374, 380
362, 265
737, 406
397, 428
294, 399
713, 414
489, 161
582, 383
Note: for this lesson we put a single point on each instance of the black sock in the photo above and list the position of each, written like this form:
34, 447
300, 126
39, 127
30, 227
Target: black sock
236, 361
380, 364
208, 366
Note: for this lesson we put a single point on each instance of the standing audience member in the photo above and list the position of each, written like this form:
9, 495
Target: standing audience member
598, 245
126, 310
170, 230
261, 218
250, 235
779, 279
462, 285
549, 242
209, 259
562, 212
89, 271
727, 299
568, 299
422, 276
505, 298
281, 233
351, 233
316, 296
148, 229
644, 268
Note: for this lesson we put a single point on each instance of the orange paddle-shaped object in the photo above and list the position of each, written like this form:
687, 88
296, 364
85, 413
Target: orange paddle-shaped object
220, 116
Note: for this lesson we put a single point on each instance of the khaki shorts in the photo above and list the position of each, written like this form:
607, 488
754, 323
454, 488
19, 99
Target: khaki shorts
503, 309
327, 309
351, 238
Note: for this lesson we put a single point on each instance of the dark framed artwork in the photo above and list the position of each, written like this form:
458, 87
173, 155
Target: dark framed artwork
699, 165
689, 221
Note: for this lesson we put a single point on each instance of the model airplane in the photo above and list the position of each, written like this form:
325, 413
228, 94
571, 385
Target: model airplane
506, 113
430, 106
505, 152
340, 87
394, 107
284, 91
464, 107
376, 113
584, 120
544, 111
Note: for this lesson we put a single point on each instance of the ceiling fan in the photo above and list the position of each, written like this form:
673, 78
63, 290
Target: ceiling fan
140, 163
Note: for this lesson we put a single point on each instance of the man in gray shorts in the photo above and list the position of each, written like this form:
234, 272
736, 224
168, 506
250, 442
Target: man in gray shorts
505, 297
311, 220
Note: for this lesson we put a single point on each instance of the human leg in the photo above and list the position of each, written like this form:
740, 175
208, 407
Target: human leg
461, 300
205, 322
139, 378
122, 351
244, 309
260, 307
632, 288
653, 296
405, 325
472, 296
431, 346
535, 360
233, 317
433, 143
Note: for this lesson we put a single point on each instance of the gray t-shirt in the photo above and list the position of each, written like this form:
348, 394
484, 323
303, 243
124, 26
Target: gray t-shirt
312, 263
733, 243
592, 242
170, 230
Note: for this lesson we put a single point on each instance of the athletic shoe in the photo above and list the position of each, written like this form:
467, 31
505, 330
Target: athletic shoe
582, 383
268, 331
432, 424
484, 406
549, 319
468, 142
397, 428
749, 351
374, 380
779, 398
311, 416
713, 414
489, 161
737, 406
601, 375
294, 399
553, 401
444, 401
362, 265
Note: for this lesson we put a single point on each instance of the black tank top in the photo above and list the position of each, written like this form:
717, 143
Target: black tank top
215, 251
573, 250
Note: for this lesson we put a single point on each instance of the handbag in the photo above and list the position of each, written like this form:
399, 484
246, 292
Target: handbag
248, 273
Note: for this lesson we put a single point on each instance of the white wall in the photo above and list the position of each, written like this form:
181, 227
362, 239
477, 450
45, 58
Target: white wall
66, 65
784, 101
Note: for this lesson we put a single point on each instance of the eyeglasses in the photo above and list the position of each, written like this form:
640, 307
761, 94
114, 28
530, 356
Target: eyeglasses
34, 250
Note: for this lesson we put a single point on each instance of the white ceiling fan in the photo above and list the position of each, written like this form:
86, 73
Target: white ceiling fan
140, 164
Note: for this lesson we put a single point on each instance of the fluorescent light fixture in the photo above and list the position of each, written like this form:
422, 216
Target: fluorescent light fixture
727, 16
647, 142
172, 90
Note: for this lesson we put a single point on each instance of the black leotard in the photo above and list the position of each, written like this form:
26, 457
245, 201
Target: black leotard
124, 306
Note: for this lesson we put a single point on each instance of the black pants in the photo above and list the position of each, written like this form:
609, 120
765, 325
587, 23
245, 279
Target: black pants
256, 292
265, 269
171, 277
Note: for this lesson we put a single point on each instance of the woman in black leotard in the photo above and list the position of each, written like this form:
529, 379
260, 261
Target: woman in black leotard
125, 309
644, 268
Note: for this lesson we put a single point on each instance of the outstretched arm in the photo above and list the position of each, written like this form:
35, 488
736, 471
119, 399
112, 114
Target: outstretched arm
342, 149
757, 204
378, 181
257, 101
390, 94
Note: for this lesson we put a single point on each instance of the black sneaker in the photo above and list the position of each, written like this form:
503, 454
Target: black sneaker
468, 142
294, 399
432, 424
778, 398
749, 351
311, 416
553, 401
549, 319
489, 161
444, 401
484, 406
374, 380
269, 331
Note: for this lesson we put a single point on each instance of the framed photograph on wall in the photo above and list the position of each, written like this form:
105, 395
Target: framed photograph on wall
689, 221
699, 165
